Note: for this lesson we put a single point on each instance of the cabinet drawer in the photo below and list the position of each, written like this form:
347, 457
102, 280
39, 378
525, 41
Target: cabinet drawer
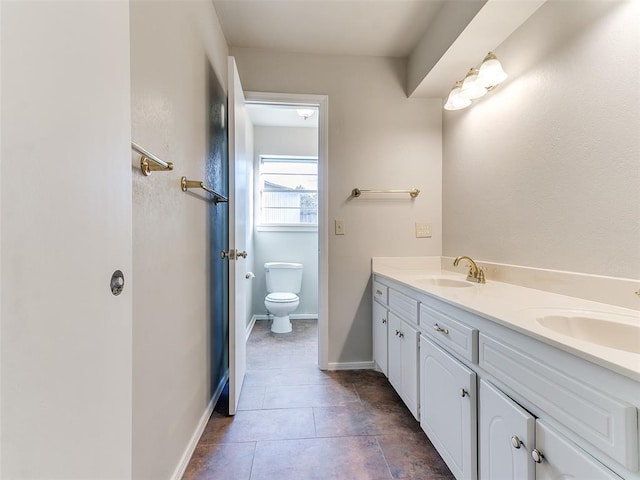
404, 306
450, 333
380, 292
604, 422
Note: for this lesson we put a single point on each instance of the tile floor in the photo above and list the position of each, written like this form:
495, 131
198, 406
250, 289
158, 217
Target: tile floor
296, 422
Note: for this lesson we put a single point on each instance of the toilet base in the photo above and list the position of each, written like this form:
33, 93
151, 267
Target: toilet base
281, 324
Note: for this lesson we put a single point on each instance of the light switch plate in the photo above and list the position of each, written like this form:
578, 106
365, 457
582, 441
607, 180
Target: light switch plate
339, 227
423, 230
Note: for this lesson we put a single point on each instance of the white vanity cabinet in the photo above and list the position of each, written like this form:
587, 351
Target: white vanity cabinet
506, 436
403, 361
558, 458
514, 445
380, 331
499, 404
448, 408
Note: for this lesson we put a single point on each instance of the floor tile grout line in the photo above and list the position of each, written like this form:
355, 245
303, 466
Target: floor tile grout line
253, 459
315, 426
385, 457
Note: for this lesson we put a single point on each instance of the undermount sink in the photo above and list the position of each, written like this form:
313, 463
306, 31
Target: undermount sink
618, 331
443, 282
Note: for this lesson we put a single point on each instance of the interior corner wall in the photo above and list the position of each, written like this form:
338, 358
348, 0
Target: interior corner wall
286, 246
378, 138
545, 170
173, 47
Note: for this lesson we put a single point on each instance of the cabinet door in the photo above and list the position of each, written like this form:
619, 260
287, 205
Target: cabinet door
380, 337
506, 436
395, 352
410, 338
448, 409
562, 460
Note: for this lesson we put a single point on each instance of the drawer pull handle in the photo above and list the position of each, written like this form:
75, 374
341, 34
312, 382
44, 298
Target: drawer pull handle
378, 292
438, 328
536, 455
463, 392
516, 442
384, 320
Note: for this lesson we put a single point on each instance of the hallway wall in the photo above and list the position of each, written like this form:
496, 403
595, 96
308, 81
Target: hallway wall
377, 139
65, 360
173, 47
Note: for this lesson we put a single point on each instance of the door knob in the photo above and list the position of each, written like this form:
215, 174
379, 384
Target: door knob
230, 254
242, 254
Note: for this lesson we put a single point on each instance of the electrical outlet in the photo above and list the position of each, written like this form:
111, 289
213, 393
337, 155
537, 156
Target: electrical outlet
339, 227
423, 230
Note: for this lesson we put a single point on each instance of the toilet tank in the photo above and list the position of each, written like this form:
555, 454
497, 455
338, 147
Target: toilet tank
283, 277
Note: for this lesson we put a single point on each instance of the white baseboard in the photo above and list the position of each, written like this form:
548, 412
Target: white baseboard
293, 316
195, 438
351, 366
250, 326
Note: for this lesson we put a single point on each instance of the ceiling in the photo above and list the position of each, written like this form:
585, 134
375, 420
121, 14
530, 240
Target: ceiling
386, 28
441, 39
271, 115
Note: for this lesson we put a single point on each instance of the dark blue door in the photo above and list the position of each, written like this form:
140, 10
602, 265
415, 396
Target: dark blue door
218, 178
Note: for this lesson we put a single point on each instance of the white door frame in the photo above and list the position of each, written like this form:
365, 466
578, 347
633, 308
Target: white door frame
322, 102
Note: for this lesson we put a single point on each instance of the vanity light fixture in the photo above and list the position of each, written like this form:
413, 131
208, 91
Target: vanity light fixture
305, 112
491, 72
476, 83
454, 100
471, 89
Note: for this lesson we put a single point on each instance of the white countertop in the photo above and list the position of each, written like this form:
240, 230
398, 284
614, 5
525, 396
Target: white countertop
517, 307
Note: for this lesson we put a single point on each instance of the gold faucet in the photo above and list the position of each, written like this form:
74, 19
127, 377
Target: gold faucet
475, 274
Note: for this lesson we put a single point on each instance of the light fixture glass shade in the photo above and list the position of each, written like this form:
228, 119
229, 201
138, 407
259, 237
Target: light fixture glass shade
305, 112
491, 72
454, 100
471, 89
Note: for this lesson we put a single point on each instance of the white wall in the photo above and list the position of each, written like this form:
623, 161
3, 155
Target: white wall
377, 139
545, 171
173, 45
298, 247
66, 226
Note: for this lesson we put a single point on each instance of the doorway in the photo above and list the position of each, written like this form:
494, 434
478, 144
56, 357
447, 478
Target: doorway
278, 114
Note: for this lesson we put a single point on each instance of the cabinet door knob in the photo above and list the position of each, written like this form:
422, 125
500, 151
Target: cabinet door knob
516, 442
378, 292
463, 392
384, 320
401, 335
536, 455
397, 333
438, 328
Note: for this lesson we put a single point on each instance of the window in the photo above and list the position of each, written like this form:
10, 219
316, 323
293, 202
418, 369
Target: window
288, 191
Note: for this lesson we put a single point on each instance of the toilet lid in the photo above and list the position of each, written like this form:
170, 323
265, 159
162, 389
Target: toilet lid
282, 297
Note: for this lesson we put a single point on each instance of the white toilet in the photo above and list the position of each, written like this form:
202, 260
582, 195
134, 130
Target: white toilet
284, 281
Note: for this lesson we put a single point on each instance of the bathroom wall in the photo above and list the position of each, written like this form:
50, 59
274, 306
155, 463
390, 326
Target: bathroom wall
545, 171
65, 360
173, 47
377, 139
289, 246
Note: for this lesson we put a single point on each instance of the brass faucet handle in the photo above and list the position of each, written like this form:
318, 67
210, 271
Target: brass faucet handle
481, 278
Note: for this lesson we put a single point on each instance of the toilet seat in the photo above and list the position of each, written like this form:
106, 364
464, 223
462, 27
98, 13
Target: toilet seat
281, 297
